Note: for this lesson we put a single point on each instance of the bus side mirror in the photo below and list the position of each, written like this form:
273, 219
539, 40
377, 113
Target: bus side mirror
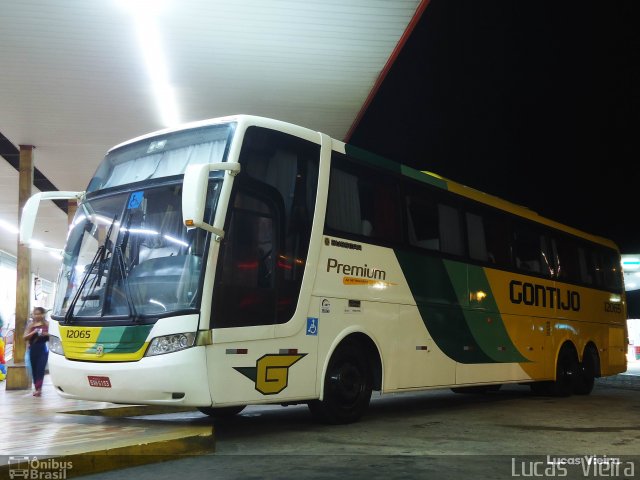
194, 194
30, 212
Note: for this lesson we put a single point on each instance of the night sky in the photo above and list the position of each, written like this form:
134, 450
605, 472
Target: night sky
517, 98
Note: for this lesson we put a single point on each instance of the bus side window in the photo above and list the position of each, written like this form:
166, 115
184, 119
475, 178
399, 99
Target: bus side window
450, 230
287, 166
363, 203
488, 238
568, 260
422, 222
343, 205
476, 239
585, 274
597, 268
245, 293
530, 252
612, 270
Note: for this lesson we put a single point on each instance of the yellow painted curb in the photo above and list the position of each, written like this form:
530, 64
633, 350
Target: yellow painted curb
74, 465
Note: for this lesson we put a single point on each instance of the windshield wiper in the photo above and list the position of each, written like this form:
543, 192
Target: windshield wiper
124, 271
98, 261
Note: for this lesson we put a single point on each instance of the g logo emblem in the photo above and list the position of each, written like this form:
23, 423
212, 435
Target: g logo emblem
99, 350
271, 373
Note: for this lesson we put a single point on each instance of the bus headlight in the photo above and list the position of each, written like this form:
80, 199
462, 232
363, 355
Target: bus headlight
170, 343
55, 345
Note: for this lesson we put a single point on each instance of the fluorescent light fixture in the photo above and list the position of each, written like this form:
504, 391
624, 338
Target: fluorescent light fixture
630, 263
143, 7
9, 227
145, 13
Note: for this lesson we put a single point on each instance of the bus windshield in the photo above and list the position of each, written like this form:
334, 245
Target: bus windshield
128, 255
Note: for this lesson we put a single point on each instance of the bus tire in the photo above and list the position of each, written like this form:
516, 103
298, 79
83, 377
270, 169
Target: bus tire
347, 387
587, 372
566, 372
222, 412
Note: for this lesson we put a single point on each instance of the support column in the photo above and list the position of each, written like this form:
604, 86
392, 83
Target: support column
17, 377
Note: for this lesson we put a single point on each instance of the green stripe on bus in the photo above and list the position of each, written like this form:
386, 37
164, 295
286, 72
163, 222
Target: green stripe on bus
440, 308
127, 339
423, 177
485, 324
371, 158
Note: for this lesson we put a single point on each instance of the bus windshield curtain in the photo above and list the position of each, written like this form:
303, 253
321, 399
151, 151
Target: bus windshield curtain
343, 207
165, 164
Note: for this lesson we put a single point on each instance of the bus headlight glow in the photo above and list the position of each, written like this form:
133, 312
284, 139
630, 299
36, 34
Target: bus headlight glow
55, 345
170, 343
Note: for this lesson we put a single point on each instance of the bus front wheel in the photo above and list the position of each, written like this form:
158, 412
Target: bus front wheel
221, 412
347, 387
566, 375
566, 372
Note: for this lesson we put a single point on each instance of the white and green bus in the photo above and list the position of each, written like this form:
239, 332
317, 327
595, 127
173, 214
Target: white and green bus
244, 260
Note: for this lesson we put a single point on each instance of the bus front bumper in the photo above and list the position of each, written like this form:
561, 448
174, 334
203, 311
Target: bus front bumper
178, 378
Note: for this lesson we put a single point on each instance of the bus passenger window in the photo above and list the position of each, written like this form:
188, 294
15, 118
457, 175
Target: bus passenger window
450, 230
362, 202
343, 205
496, 229
476, 239
568, 266
422, 223
612, 270
585, 273
488, 238
529, 251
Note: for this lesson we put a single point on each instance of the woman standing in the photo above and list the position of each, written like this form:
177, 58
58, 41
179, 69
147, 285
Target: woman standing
37, 335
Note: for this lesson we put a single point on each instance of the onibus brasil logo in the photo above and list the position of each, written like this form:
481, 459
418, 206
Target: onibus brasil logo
33, 468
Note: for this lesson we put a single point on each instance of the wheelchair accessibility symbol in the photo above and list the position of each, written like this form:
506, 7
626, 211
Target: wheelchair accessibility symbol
135, 200
312, 326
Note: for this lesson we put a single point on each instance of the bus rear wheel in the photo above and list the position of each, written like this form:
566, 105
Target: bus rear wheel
587, 372
347, 387
221, 412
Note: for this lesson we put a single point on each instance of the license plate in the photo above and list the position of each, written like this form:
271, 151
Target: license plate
103, 382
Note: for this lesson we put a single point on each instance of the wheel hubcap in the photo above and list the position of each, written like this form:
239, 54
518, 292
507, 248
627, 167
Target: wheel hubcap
347, 383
